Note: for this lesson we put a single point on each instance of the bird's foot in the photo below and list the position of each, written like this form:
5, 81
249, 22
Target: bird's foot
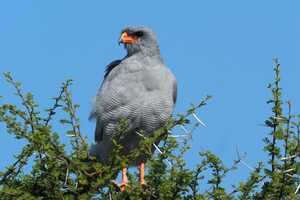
142, 182
123, 186
143, 185
119, 187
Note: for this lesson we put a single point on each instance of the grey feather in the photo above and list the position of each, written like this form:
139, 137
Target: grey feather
99, 131
139, 88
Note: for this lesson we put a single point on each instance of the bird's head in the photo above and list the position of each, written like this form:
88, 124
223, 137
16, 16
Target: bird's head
139, 39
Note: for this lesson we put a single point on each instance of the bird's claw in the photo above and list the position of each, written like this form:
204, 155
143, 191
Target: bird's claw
123, 186
143, 185
119, 187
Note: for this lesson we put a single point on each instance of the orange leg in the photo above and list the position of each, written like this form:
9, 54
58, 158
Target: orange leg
124, 179
142, 173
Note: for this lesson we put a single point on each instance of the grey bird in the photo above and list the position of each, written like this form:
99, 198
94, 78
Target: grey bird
138, 88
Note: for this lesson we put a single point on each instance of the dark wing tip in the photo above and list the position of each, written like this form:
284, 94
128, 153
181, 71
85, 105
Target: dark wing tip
98, 132
111, 66
174, 91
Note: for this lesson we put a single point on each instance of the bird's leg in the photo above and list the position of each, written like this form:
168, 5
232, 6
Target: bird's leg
124, 179
142, 173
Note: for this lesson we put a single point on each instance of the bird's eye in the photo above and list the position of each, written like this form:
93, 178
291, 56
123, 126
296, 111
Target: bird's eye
139, 33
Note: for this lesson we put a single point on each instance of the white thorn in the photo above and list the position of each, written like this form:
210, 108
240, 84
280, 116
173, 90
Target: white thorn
169, 163
248, 166
298, 187
184, 129
243, 162
289, 157
288, 170
155, 146
277, 117
70, 135
140, 135
67, 175
290, 175
179, 136
158, 149
197, 118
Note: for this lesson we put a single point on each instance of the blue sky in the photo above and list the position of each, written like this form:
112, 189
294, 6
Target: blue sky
220, 48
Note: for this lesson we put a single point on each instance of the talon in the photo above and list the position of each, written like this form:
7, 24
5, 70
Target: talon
114, 182
123, 187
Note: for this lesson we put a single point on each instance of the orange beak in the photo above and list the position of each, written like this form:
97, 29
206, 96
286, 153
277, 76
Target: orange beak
128, 39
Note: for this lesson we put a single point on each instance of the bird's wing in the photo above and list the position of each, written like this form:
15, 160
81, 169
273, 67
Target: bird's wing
99, 131
118, 97
108, 69
111, 66
132, 92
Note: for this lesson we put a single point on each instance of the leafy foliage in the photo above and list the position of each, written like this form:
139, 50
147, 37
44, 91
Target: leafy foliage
66, 171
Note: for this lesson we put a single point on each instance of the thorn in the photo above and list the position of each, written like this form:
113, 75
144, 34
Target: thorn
67, 175
158, 149
169, 163
184, 129
243, 162
197, 118
140, 134
278, 118
298, 187
288, 170
248, 166
290, 175
155, 146
289, 157
71, 135
179, 136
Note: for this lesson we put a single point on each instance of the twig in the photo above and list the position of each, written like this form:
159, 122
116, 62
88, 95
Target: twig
286, 151
25, 154
71, 110
19, 93
56, 105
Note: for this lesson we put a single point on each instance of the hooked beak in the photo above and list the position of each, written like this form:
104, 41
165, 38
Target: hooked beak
127, 39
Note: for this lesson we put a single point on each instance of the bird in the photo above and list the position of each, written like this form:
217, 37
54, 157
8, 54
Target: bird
139, 88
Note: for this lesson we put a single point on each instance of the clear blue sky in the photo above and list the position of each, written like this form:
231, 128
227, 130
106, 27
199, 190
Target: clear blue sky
222, 48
